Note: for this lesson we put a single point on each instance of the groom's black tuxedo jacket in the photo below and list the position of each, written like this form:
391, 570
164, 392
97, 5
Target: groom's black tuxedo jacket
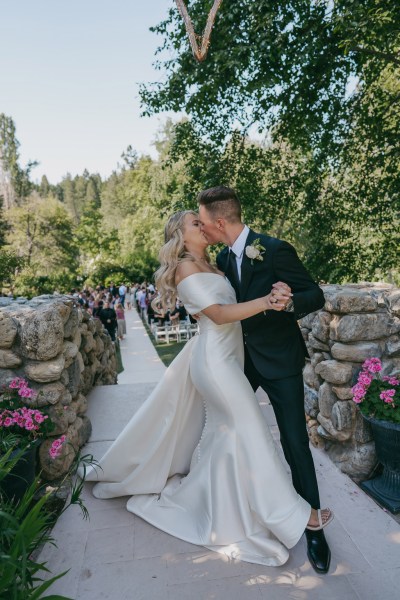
273, 339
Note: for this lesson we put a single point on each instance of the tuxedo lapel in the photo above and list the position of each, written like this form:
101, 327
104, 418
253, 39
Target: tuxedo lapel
247, 270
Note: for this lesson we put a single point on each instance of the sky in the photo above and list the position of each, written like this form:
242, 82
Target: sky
69, 75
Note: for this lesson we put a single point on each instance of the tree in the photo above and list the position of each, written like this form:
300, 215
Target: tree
287, 63
44, 188
20, 177
322, 79
42, 230
3, 224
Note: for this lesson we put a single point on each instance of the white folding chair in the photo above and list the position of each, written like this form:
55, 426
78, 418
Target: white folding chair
160, 334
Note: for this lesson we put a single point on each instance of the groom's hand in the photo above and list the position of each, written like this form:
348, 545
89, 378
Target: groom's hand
281, 293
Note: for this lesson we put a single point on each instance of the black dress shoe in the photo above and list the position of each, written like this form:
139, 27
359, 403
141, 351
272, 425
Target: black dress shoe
318, 551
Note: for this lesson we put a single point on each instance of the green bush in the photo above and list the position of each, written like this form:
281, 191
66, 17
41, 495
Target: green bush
25, 527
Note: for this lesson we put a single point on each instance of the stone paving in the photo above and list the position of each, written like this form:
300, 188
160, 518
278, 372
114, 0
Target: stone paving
118, 556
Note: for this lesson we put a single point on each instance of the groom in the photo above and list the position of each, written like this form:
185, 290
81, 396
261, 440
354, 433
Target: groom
274, 347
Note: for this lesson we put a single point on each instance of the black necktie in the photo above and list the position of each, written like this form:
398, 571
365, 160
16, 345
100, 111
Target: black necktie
234, 271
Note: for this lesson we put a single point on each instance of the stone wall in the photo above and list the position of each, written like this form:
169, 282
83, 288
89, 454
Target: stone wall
357, 322
63, 352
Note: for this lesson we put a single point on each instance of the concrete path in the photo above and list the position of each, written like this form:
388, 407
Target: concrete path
118, 556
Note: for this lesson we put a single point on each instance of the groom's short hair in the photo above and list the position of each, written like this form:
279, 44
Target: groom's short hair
221, 202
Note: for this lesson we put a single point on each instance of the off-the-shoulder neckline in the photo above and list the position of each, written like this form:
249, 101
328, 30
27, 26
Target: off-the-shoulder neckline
199, 273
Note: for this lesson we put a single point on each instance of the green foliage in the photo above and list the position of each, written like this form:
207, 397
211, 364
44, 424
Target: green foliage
20, 177
10, 263
25, 528
42, 231
287, 63
377, 395
323, 79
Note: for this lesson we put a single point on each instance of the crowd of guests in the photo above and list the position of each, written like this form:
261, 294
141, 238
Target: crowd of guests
110, 303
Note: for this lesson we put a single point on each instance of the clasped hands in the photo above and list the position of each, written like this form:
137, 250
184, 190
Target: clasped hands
280, 296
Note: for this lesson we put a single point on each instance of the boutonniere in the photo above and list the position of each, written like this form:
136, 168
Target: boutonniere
255, 251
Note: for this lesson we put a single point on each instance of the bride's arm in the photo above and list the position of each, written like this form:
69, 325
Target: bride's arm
229, 313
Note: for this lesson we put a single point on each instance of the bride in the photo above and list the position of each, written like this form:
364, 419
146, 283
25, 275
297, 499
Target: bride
198, 459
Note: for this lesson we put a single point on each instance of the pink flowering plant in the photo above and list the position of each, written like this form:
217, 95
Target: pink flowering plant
24, 422
377, 396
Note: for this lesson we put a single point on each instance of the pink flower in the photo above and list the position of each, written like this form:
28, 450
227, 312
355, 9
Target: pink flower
365, 378
56, 446
17, 382
39, 417
387, 396
359, 392
373, 365
26, 392
8, 422
391, 380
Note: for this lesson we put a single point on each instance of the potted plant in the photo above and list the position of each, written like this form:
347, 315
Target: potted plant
378, 399
25, 426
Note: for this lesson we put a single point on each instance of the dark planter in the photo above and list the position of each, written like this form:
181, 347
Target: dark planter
21, 477
385, 488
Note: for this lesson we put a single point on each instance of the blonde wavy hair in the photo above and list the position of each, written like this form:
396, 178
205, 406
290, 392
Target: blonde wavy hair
171, 254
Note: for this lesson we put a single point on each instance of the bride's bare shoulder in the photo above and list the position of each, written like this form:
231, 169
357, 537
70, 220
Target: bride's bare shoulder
184, 269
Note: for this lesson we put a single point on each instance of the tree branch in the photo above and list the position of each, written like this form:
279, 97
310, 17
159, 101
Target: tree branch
389, 56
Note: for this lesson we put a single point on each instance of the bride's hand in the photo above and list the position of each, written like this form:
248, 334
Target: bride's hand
274, 303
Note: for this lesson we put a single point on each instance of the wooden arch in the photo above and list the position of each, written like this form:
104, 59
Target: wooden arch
199, 43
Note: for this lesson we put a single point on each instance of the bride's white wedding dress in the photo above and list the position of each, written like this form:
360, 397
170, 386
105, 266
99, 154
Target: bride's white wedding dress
198, 458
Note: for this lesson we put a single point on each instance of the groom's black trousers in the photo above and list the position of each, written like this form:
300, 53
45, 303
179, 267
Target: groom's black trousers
287, 399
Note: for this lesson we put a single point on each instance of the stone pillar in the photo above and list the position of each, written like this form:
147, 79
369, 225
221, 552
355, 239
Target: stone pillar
63, 352
357, 322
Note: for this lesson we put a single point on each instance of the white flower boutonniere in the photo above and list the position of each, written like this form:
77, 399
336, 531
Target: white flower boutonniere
255, 251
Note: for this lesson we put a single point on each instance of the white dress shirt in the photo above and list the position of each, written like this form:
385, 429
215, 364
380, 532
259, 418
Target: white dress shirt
238, 248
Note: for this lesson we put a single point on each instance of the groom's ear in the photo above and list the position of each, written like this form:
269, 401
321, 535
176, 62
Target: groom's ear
220, 223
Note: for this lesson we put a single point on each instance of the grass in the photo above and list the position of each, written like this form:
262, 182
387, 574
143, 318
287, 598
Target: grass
167, 352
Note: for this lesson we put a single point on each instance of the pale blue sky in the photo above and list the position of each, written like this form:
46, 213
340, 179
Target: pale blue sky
69, 74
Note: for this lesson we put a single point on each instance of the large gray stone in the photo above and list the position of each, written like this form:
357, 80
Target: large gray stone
353, 328
8, 359
41, 333
343, 415
310, 377
84, 430
356, 352
307, 321
43, 372
340, 436
317, 344
64, 309
349, 301
326, 399
71, 326
343, 393
393, 346
394, 302
70, 350
8, 331
74, 374
54, 468
88, 342
310, 401
354, 459
50, 394
362, 430
334, 372
316, 358
6, 376
320, 326
59, 418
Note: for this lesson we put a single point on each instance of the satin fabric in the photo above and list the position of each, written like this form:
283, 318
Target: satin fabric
198, 458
